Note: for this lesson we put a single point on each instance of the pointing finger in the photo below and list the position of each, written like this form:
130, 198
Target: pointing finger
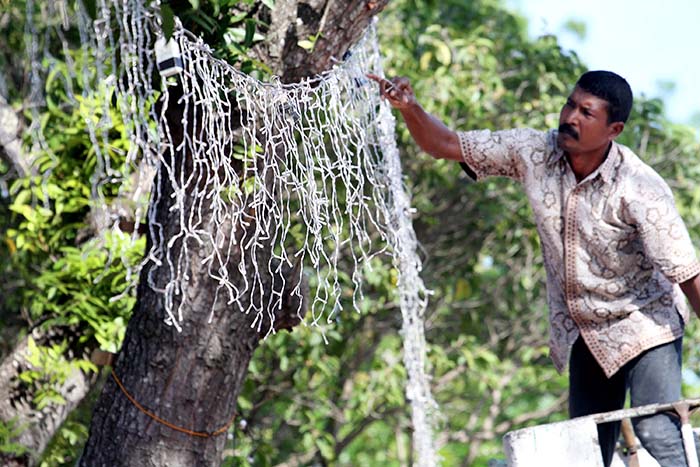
384, 84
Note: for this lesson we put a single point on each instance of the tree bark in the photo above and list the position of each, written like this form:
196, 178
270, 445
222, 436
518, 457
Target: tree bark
10, 144
191, 380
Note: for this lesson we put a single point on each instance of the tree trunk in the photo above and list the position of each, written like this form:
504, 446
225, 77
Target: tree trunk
188, 382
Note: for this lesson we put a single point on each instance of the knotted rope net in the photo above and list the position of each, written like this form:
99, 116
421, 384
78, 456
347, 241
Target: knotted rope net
309, 171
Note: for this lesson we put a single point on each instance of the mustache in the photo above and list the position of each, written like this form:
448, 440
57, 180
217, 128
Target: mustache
569, 130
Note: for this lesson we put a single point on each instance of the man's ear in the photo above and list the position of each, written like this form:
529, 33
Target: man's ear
615, 129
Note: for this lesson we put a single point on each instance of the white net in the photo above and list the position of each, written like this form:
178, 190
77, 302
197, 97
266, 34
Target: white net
307, 171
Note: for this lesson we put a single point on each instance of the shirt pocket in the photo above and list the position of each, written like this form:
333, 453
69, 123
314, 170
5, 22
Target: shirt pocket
611, 248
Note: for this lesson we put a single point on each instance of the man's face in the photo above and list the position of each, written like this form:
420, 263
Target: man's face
583, 123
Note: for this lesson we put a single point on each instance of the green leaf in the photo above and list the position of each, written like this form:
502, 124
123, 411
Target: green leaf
32, 352
168, 19
249, 32
249, 185
27, 377
205, 21
325, 446
244, 403
195, 4
234, 35
442, 52
306, 44
424, 62
236, 18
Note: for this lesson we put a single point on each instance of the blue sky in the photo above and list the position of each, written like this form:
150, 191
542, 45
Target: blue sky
645, 41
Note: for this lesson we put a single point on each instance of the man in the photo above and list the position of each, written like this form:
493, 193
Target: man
615, 250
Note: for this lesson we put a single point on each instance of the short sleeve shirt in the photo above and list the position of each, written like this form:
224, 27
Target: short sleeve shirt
614, 245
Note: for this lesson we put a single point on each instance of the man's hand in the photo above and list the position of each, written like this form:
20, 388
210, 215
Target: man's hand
398, 91
691, 289
430, 133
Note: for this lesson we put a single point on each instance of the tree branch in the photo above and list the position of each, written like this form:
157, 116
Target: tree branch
16, 399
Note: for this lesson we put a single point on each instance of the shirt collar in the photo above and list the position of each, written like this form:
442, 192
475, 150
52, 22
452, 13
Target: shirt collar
555, 152
605, 170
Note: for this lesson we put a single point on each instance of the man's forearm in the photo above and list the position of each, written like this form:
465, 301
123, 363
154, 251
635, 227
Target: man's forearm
431, 134
691, 289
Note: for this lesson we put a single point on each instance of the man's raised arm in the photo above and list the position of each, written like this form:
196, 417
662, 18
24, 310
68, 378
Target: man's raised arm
429, 133
691, 289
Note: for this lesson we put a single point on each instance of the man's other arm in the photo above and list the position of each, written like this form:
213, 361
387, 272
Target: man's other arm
691, 289
428, 132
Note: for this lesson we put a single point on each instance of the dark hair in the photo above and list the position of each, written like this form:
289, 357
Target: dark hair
613, 89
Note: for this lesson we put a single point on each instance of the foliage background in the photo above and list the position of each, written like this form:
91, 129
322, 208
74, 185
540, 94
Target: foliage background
341, 403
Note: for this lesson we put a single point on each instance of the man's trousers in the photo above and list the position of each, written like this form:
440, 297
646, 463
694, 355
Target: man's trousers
652, 377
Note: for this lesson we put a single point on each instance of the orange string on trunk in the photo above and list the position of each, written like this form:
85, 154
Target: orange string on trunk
200, 434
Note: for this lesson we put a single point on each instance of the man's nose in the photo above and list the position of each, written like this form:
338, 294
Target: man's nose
572, 118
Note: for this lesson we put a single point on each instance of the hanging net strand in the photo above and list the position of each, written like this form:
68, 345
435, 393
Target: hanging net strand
255, 177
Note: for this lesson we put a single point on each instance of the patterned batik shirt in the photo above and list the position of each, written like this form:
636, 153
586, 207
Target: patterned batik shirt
614, 245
